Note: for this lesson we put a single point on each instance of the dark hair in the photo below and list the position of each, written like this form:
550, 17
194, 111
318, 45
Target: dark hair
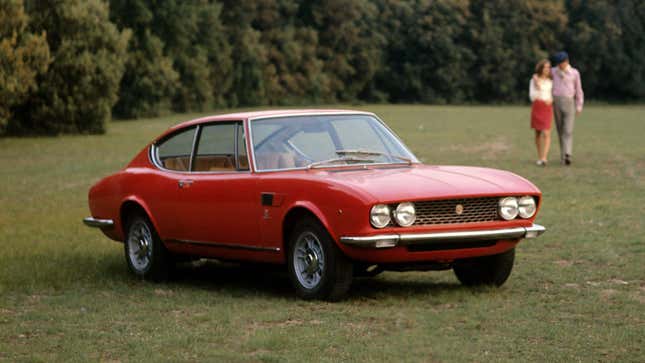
539, 67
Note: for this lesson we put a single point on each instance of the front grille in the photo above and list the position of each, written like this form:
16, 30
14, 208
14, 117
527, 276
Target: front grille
445, 211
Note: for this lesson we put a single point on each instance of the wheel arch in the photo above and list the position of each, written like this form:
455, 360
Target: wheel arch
299, 211
130, 205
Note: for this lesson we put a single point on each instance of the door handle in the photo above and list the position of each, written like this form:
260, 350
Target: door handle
185, 183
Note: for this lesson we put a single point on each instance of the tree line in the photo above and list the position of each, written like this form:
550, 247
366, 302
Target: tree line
69, 66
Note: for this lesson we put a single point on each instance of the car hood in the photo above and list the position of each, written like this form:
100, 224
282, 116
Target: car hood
419, 182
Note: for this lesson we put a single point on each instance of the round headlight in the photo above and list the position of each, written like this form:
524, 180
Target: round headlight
526, 207
380, 215
508, 208
405, 215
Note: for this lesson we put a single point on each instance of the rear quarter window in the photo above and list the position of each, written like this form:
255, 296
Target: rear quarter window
174, 152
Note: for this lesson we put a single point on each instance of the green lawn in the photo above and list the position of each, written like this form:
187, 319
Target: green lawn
576, 294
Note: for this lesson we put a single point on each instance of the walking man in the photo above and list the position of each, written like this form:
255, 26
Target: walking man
568, 99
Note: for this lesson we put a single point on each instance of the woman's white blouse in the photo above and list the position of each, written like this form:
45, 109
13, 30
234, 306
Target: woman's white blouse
542, 93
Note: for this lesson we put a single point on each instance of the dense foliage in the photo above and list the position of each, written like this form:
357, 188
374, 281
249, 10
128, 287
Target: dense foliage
65, 65
23, 56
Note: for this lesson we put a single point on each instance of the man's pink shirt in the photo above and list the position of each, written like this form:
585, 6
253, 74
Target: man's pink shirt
567, 84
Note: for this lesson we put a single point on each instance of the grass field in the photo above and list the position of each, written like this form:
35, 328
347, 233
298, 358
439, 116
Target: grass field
576, 294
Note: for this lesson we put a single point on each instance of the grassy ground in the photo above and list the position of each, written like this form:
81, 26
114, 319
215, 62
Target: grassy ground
576, 294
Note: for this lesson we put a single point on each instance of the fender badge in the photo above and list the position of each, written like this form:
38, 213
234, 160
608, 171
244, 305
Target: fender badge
459, 209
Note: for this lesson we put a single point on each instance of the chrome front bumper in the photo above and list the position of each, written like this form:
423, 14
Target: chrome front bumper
98, 223
392, 240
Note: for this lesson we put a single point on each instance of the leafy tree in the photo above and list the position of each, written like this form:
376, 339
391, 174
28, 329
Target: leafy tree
149, 80
180, 56
509, 37
427, 56
248, 54
293, 73
194, 37
350, 44
23, 57
606, 41
64, 64
78, 91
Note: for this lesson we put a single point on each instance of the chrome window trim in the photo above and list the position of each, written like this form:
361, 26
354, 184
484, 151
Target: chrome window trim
313, 113
193, 148
153, 152
249, 145
235, 150
415, 160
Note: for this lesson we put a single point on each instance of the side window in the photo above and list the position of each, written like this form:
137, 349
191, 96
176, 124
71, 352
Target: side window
216, 148
174, 152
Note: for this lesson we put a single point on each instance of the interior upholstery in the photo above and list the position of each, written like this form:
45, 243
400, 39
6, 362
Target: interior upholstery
214, 163
179, 163
207, 163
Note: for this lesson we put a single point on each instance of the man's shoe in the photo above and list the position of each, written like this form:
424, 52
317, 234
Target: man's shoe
567, 160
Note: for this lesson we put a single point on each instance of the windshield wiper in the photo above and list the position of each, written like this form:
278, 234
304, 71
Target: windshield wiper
361, 152
338, 160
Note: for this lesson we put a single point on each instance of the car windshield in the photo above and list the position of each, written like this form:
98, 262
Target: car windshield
324, 141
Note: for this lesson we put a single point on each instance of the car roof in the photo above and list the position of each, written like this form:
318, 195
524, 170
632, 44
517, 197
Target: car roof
264, 114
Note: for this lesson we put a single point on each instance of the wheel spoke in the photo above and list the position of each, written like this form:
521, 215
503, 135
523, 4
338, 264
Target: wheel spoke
308, 260
139, 245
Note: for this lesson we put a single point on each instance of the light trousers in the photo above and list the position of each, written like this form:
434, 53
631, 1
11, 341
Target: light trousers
564, 112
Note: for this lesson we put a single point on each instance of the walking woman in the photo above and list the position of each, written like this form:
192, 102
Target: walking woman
542, 109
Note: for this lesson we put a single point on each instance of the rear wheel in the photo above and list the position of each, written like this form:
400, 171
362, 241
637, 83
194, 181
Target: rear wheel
145, 254
486, 270
317, 268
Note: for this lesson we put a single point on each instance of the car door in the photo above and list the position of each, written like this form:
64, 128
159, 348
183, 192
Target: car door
172, 157
218, 203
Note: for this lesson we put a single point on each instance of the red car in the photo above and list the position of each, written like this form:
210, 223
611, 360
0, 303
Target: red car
332, 194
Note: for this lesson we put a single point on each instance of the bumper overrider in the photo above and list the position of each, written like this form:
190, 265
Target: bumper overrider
406, 239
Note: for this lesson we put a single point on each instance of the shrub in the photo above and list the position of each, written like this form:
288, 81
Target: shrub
78, 91
23, 57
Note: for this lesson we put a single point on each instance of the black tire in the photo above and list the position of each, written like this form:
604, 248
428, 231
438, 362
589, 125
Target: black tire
328, 272
488, 270
145, 253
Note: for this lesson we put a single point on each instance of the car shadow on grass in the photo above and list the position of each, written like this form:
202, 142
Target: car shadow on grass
234, 278
392, 284
272, 281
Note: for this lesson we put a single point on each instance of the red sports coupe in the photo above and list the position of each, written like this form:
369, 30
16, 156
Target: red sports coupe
332, 194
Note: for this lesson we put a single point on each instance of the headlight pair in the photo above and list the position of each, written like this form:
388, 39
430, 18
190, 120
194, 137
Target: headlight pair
404, 215
511, 207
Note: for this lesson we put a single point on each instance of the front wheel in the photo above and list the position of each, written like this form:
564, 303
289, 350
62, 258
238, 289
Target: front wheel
145, 254
317, 268
486, 270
